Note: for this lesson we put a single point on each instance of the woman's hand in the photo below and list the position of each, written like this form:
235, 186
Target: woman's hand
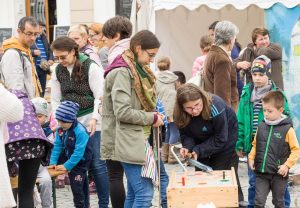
243, 65
240, 153
184, 152
92, 126
251, 164
194, 155
159, 121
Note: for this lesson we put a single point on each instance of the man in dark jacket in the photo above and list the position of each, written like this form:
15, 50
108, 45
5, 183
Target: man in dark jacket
43, 56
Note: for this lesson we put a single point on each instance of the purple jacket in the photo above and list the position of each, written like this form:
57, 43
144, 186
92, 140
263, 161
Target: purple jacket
29, 127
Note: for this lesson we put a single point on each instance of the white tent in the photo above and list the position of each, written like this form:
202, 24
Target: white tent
179, 24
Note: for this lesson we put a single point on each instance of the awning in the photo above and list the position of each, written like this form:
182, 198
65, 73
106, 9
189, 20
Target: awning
217, 4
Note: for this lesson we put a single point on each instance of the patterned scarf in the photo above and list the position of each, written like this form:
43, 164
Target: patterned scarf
143, 80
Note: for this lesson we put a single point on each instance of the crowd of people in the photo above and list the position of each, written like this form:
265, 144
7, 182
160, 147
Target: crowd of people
106, 102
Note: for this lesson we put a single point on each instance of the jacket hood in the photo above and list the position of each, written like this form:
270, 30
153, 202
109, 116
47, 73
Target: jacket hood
283, 120
118, 49
166, 77
13, 42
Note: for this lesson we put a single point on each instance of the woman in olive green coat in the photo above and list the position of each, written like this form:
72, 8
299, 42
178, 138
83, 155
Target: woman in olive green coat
128, 113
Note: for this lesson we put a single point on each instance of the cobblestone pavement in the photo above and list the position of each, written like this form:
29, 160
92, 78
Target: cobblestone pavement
64, 196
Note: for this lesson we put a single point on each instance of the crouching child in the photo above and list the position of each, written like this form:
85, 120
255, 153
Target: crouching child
72, 152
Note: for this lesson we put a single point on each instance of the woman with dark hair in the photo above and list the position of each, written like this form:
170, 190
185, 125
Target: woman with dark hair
77, 78
208, 128
128, 114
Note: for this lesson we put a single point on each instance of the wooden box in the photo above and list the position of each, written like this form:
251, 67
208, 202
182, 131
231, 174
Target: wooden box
189, 189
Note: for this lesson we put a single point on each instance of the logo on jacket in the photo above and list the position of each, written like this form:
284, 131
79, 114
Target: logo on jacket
204, 129
277, 135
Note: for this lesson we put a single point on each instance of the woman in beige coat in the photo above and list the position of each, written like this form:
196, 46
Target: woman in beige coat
128, 113
11, 110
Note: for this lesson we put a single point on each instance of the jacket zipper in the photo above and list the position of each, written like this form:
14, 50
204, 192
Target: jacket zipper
266, 150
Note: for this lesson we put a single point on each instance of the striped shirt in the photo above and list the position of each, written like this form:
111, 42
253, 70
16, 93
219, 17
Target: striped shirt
41, 47
256, 109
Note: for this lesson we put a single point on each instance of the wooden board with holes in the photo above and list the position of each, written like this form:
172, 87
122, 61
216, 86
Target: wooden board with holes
187, 190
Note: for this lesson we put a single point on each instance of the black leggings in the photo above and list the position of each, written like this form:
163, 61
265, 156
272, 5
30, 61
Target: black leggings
28, 170
116, 185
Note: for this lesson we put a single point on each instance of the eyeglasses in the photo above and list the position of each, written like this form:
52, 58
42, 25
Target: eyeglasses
151, 55
30, 34
63, 57
197, 106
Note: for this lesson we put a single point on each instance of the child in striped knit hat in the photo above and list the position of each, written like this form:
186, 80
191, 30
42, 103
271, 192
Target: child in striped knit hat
72, 151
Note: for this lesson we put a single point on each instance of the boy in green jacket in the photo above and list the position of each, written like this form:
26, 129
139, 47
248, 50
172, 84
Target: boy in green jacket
250, 114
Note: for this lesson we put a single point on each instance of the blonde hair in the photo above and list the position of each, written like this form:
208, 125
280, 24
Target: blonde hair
206, 42
163, 63
78, 28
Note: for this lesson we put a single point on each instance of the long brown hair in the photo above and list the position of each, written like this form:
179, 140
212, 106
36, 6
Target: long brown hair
67, 44
190, 92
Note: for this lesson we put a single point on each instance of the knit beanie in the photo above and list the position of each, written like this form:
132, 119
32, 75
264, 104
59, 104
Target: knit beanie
40, 105
261, 64
67, 111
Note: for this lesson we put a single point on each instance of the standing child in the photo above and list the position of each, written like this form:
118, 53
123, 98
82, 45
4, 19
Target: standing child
275, 150
206, 42
45, 183
72, 151
166, 92
250, 114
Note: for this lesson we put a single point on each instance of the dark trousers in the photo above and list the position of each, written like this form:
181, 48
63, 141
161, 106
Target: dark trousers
266, 182
80, 187
43, 79
28, 170
224, 161
117, 190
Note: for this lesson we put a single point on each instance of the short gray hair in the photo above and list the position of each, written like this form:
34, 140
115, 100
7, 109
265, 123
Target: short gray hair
224, 32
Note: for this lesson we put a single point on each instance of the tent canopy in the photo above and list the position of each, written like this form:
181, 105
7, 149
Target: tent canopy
179, 24
218, 4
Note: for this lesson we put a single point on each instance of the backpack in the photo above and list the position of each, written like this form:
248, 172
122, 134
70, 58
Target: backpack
22, 61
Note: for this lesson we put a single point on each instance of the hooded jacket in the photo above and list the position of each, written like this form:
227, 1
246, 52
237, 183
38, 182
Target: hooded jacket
18, 70
118, 49
166, 92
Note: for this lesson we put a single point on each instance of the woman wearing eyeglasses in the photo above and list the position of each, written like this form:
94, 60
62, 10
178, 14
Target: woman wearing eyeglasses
77, 78
208, 128
128, 114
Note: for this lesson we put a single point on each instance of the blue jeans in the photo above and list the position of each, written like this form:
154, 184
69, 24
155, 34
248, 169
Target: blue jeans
251, 191
164, 182
172, 134
99, 171
139, 189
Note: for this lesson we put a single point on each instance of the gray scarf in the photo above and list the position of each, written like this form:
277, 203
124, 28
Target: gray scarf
259, 92
276, 122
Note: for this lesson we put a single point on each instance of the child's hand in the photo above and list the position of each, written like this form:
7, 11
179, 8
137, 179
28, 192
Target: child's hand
51, 166
61, 168
283, 170
251, 164
92, 126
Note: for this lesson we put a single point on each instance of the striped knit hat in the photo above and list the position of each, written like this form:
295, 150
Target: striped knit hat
67, 111
262, 64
